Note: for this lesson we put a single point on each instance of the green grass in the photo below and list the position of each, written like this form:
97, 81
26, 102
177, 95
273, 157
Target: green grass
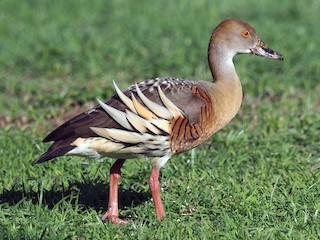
258, 178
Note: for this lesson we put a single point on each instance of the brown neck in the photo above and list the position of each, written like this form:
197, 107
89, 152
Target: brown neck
220, 62
227, 91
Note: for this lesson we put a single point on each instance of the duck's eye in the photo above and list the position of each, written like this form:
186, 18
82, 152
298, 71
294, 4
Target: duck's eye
245, 33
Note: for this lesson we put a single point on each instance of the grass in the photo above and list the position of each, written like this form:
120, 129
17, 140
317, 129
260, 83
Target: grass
258, 178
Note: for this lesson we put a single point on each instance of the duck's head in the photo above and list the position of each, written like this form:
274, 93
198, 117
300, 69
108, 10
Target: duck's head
234, 36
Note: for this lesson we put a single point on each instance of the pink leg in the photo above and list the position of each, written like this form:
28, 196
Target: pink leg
113, 211
155, 191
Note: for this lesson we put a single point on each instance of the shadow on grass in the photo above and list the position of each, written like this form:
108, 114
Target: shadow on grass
88, 195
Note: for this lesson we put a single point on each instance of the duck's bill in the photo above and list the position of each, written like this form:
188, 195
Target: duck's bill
262, 50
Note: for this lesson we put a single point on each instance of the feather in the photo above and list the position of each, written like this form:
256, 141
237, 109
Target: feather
154, 107
101, 132
161, 124
167, 102
140, 123
142, 111
118, 116
132, 150
127, 101
137, 122
104, 145
121, 135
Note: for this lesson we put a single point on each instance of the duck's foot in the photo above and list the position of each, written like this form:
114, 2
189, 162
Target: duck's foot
113, 218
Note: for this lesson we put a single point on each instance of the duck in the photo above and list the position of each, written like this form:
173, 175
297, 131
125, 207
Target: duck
161, 117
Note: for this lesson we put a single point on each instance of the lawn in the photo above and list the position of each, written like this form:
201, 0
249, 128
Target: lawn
258, 178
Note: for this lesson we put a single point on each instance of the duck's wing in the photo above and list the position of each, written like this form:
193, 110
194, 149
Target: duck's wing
164, 98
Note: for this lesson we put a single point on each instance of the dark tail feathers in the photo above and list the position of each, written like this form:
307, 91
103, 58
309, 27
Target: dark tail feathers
57, 149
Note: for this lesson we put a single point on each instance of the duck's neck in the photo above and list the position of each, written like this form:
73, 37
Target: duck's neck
227, 89
221, 64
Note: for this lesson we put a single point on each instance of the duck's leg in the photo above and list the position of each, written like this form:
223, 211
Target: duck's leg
155, 191
113, 210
